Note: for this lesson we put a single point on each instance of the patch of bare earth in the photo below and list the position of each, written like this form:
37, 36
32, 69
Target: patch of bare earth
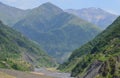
4, 75
19, 74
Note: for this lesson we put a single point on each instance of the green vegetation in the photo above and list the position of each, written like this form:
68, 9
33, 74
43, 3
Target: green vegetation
17, 52
104, 48
56, 31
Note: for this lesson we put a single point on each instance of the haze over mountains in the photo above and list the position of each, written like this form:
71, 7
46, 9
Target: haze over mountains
94, 15
99, 58
10, 15
57, 32
30, 39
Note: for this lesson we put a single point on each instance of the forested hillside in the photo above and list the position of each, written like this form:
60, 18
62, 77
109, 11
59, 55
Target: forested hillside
99, 58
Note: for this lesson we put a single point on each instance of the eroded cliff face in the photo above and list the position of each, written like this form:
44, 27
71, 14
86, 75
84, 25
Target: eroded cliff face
107, 69
93, 70
110, 68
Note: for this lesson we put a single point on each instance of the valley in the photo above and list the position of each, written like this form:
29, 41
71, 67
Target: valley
46, 40
38, 73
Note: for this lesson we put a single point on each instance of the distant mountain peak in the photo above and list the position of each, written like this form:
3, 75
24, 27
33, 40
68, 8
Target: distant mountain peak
94, 8
89, 8
46, 10
97, 16
49, 5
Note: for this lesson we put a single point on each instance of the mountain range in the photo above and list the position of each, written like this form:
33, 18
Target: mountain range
99, 58
18, 52
56, 31
29, 34
94, 15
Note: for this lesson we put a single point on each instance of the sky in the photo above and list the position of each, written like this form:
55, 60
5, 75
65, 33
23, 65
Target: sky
112, 6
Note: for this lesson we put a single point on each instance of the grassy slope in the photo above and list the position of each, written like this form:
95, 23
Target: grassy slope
18, 52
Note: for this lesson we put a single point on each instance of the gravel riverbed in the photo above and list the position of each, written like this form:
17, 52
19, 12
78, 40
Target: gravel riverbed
53, 73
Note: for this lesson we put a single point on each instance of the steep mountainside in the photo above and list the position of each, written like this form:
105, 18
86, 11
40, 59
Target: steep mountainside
7, 13
99, 58
18, 52
96, 16
56, 31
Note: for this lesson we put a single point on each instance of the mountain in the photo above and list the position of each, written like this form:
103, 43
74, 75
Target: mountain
17, 52
96, 16
99, 58
56, 31
7, 13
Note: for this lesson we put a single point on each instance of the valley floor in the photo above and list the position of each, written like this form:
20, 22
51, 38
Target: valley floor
4, 73
38, 73
53, 73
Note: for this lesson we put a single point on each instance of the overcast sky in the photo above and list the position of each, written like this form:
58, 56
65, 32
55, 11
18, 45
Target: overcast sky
109, 5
